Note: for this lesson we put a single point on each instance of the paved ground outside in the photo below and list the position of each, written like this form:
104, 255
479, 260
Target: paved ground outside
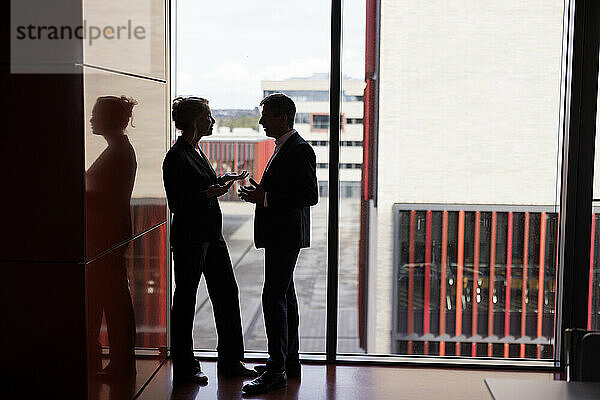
310, 278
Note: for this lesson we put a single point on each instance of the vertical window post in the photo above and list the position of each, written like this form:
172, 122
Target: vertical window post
581, 93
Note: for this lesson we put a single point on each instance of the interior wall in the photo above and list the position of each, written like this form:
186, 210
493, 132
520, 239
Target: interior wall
83, 250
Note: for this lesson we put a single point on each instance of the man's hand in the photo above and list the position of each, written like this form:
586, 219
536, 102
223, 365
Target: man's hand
253, 193
217, 190
232, 176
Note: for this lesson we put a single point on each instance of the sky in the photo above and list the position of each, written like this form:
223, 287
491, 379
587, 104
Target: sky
225, 48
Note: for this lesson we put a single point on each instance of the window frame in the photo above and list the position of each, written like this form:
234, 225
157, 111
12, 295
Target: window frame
579, 90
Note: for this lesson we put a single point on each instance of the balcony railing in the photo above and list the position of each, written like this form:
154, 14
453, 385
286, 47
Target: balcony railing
479, 281
236, 156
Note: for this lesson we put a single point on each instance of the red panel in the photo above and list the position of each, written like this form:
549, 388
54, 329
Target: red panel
206, 149
371, 39
556, 267
362, 274
475, 280
220, 160
427, 279
443, 279
509, 240
149, 270
367, 191
262, 153
591, 278
411, 278
368, 130
492, 281
459, 276
163, 253
540, 310
524, 283
367, 166
235, 167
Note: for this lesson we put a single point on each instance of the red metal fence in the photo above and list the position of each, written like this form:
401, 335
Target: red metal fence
479, 281
236, 156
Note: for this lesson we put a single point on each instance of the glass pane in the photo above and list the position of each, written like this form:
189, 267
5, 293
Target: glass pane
593, 320
125, 36
458, 227
351, 304
126, 298
124, 148
258, 52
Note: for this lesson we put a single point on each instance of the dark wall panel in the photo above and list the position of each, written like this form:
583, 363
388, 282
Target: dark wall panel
43, 330
41, 164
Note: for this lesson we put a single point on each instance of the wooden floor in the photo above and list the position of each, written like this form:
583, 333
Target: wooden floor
342, 382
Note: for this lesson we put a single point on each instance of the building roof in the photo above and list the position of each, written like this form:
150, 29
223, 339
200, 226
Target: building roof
238, 135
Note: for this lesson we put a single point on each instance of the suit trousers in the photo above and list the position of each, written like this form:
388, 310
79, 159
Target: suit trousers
280, 308
190, 262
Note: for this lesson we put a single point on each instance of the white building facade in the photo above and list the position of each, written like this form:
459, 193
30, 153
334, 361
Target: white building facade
311, 96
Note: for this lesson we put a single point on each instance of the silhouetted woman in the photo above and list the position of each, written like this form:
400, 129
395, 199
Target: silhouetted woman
198, 246
109, 185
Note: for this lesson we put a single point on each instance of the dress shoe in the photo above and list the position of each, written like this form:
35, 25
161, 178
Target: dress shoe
265, 383
291, 372
195, 375
237, 368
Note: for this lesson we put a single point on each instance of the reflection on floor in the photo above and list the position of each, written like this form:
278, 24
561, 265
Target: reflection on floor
342, 382
310, 278
122, 387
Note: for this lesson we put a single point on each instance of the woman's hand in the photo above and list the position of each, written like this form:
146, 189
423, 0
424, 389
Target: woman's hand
232, 176
218, 190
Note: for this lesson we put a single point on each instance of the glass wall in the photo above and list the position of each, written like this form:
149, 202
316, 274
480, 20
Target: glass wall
449, 171
125, 95
351, 306
458, 243
234, 54
123, 169
125, 225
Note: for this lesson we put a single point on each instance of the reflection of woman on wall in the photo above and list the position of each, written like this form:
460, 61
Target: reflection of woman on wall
109, 184
109, 180
198, 246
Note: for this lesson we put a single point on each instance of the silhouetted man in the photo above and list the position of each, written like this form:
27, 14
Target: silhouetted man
282, 227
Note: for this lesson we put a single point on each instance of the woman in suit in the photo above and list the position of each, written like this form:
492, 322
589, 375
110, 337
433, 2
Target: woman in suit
193, 188
109, 184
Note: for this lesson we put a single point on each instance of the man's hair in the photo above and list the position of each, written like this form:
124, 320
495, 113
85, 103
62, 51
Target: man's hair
281, 104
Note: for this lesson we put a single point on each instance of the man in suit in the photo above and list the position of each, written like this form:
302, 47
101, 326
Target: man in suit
282, 227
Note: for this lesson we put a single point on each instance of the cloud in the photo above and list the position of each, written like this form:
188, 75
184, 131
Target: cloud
299, 67
229, 85
224, 50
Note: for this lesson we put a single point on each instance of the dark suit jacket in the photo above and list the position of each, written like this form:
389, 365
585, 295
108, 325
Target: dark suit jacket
291, 186
109, 183
186, 175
